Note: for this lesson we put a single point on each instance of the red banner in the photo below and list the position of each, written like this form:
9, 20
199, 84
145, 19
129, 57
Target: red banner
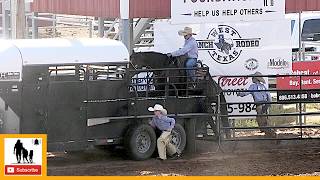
301, 68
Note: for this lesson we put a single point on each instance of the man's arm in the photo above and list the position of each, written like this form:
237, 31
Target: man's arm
242, 94
269, 97
183, 50
172, 123
152, 124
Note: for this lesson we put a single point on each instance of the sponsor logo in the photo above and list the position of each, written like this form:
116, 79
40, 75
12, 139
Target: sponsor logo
278, 63
23, 156
251, 64
9, 75
225, 45
233, 82
142, 82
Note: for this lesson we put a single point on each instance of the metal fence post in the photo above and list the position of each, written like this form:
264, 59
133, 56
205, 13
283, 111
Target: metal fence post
54, 25
35, 32
101, 27
218, 119
90, 29
126, 33
6, 18
300, 108
18, 19
300, 36
191, 135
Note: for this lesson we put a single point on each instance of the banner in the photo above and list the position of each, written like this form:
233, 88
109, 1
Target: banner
310, 85
234, 49
208, 11
244, 106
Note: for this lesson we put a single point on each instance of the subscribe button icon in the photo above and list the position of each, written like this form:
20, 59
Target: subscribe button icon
21, 170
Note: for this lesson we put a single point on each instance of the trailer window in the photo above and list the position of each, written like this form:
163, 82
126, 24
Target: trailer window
89, 72
67, 73
106, 72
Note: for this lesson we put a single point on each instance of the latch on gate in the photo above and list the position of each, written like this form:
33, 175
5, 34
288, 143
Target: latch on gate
14, 88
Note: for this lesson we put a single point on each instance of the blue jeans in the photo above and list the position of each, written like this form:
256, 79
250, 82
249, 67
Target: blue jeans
191, 63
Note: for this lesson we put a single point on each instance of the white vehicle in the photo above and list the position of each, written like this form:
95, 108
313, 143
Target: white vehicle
310, 34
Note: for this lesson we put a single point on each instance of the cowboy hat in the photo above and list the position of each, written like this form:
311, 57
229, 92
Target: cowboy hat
186, 31
158, 107
259, 78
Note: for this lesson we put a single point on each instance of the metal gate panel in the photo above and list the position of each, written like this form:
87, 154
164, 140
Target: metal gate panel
280, 128
107, 99
34, 116
66, 111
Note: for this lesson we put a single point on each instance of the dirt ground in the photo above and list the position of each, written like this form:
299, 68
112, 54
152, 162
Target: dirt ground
271, 158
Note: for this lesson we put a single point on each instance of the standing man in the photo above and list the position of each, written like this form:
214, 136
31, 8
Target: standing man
260, 97
165, 124
190, 49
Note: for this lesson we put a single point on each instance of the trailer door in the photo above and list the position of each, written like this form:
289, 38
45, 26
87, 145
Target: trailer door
107, 91
34, 98
67, 92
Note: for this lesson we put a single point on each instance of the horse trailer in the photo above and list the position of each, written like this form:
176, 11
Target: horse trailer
81, 93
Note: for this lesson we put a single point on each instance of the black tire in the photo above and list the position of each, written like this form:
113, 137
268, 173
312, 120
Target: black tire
140, 142
179, 138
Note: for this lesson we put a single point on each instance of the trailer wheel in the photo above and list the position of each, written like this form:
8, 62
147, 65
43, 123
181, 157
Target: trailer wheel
140, 142
179, 138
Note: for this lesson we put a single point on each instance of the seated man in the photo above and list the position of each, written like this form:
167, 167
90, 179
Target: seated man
190, 49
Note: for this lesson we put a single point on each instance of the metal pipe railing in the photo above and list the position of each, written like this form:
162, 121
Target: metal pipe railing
299, 113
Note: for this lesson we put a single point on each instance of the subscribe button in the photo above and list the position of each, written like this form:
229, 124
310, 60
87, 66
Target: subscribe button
23, 170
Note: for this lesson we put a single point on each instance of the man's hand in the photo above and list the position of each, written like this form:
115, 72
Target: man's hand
151, 124
169, 54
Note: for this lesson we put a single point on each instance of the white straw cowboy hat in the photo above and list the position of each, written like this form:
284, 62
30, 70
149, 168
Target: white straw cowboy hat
260, 79
158, 107
186, 31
